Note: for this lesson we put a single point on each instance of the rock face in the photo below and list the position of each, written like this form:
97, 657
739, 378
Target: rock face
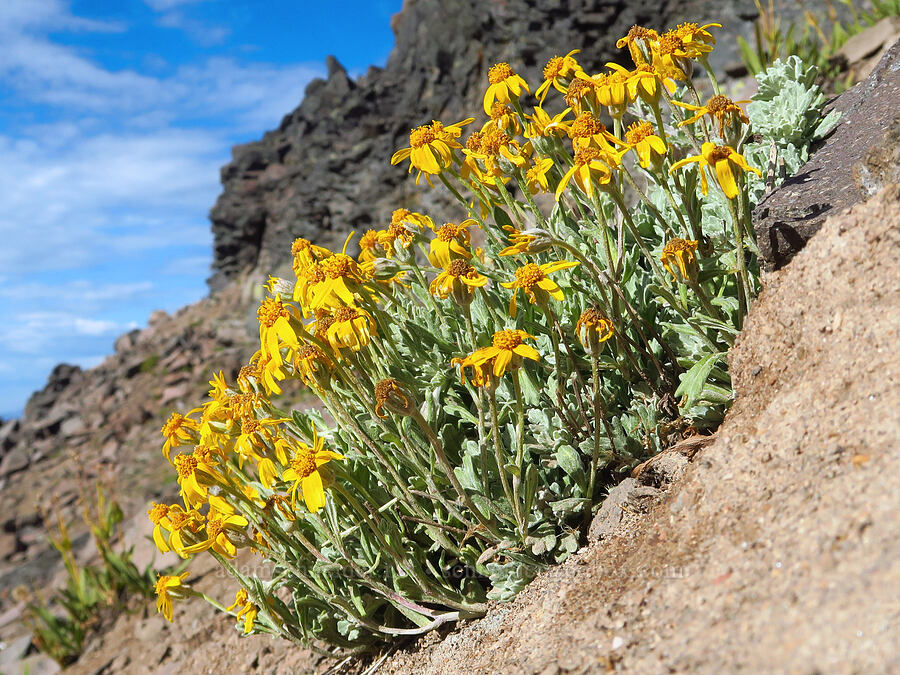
325, 170
859, 158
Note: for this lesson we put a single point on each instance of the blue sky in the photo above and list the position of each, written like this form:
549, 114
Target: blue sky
115, 117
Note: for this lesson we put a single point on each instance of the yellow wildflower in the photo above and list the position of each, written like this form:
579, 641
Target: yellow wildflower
540, 123
191, 468
593, 328
581, 94
248, 611
458, 280
304, 472
179, 430
312, 365
588, 130
389, 394
173, 519
680, 254
536, 177
222, 523
305, 253
532, 240
506, 351
170, 588
558, 72
274, 323
592, 167
504, 118
535, 283
343, 278
404, 227
638, 41
431, 147
451, 242
722, 108
504, 85
650, 148
644, 82
352, 327
718, 158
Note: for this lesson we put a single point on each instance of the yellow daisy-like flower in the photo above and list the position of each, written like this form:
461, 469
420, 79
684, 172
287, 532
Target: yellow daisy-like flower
343, 279
591, 169
179, 430
352, 327
431, 147
506, 352
248, 611
679, 255
504, 84
581, 94
587, 130
644, 82
305, 253
504, 118
304, 472
536, 177
650, 148
254, 436
558, 72
541, 124
613, 91
404, 227
275, 326
535, 283
723, 109
532, 240
222, 523
718, 158
312, 365
451, 242
639, 41
593, 328
191, 470
369, 246
391, 395
169, 588
696, 40
459, 281
172, 519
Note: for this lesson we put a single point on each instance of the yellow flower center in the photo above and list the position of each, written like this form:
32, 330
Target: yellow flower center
158, 512
247, 371
399, 215
587, 155
421, 136
309, 353
680, 246
719, 104
270, 311
300, 245
554, 68
345, 314
304, 464
499, 110
179, 519
500, 72
492, 140
529, 275
368, 241
473, 143
507, 339
314, 274
215, 527
337, 266
577, 90
448, 232
173, 424
250, 426
323, 323
185, 465
586, 125
719, 153
638, 132
459, 268
670, 42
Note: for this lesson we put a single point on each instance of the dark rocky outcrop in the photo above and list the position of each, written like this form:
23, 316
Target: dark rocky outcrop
325, 170
845, 170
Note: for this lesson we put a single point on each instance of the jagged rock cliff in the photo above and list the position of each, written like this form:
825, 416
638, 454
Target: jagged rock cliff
325, 170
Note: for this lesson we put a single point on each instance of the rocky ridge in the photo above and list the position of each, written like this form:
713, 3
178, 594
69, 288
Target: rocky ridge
325, 171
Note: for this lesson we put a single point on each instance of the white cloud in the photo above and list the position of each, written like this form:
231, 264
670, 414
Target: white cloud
202, 33
166, 5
